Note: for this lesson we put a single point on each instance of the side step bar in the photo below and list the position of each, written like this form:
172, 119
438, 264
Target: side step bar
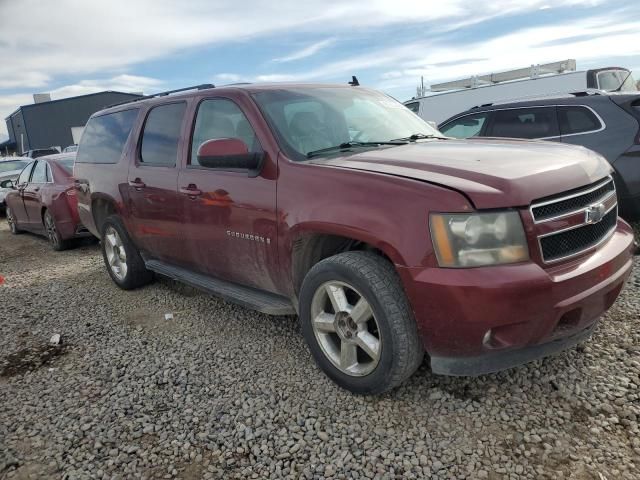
248, 297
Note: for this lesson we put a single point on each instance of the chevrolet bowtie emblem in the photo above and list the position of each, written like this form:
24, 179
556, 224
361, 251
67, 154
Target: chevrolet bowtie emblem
594, 213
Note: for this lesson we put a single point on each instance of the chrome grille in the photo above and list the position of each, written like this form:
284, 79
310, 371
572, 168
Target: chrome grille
571, 203
571, 242
591, 212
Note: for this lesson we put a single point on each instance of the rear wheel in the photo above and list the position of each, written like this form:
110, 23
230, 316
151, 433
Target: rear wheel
53, 235
11, 220
358, 323
121, 257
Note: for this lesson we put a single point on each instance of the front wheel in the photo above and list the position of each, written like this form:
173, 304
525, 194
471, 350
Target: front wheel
358, 324
121, 257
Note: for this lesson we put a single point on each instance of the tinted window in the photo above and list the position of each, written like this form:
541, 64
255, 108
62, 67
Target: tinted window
414, 107
465, 127
524, 123
12, 165
161, 135
104, 137
221, 119
577, 120
39, 173
24, 175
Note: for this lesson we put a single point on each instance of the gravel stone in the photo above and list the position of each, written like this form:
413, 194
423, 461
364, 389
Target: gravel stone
223, 392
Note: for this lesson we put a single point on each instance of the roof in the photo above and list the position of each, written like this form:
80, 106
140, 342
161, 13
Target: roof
198, 90
59, 156
13, 159
67, 99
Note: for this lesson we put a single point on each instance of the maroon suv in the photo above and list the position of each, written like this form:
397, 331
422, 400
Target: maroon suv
339, 204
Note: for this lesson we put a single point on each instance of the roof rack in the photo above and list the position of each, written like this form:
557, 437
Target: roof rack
530, 72
584, 93
202, 86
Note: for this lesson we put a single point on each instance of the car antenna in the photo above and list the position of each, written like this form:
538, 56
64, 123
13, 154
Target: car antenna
354, 81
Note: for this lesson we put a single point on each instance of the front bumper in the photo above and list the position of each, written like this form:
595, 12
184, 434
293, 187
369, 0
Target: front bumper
481, 320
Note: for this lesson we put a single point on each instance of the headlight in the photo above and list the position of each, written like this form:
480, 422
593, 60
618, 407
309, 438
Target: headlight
477, 239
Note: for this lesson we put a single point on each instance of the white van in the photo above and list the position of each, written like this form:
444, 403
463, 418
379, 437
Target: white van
450, 98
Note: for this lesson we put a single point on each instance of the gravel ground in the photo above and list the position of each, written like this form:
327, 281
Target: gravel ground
222, 392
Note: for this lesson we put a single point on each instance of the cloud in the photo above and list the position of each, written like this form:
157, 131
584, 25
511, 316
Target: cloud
306, 52
68, 37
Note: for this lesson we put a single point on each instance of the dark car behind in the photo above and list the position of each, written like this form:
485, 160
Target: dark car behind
608, 124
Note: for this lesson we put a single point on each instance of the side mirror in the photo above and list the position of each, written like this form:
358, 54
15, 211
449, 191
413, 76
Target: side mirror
7, 184
229, 154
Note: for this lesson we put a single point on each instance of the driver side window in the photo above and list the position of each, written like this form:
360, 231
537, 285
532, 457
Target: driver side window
221, 118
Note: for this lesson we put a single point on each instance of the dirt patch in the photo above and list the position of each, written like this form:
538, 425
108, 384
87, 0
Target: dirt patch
30, 358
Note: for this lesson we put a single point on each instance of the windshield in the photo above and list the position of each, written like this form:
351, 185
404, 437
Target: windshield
610, 80
310, 119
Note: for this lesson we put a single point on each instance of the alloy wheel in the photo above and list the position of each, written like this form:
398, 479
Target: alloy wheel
346, 328
116, 255
11, 220
50, 227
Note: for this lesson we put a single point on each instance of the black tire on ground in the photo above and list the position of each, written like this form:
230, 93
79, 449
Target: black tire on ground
11, 220
375, 279
53, 235
136, 274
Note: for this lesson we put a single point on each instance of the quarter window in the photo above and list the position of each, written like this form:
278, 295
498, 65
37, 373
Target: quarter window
24, 175
538, 122
104, 137
220, 118
39, 173
577, 120
414, 107
465, 127
161, 135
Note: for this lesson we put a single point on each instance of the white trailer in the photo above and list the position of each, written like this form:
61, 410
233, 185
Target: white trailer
447, 99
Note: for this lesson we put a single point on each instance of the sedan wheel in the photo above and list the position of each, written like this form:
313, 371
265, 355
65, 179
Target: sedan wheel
116, 254
50, 227
345, 328
11, 220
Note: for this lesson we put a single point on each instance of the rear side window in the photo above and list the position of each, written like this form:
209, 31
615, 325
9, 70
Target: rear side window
465, 127
104, 137
161, 135
525, 123
577, 119
39, 173
24, 175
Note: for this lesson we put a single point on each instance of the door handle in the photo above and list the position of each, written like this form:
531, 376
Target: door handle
36, 189
191, 190
137, 184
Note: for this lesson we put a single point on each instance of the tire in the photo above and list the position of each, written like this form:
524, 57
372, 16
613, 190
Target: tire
11, 220
53, 235
121, 257
391, 350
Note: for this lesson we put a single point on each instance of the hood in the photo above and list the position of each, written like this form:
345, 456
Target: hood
492, 173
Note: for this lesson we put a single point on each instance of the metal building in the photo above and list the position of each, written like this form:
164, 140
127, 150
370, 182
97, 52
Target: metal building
57, 123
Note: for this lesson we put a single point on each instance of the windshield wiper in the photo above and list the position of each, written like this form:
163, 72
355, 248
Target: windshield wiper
418, 136
347, 145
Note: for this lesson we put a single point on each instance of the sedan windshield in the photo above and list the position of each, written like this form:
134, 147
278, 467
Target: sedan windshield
326, 120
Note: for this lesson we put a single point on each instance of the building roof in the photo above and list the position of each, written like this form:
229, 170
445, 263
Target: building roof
60, 100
